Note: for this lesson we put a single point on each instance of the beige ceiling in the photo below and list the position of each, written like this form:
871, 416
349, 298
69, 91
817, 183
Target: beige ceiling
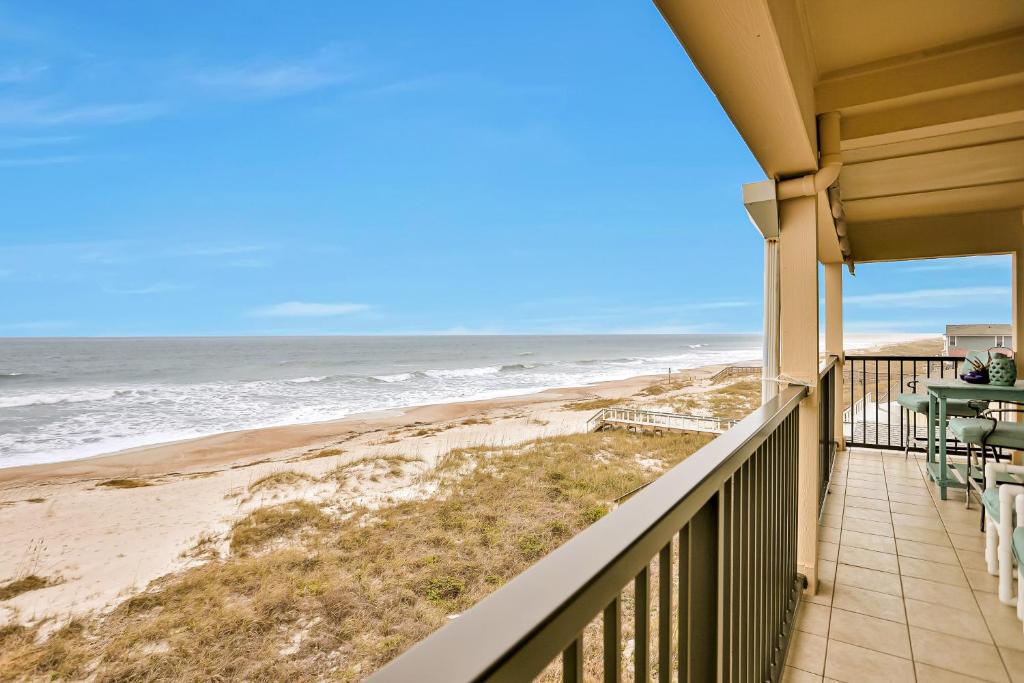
931, 101
931, 94
873, 30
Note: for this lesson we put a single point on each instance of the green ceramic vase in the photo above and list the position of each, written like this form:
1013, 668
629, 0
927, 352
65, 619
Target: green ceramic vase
1002, 371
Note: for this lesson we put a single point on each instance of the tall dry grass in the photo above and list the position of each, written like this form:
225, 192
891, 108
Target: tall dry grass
333, 591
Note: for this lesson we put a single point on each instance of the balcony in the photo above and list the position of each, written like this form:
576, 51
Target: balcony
903, 586
698, 575
886, 132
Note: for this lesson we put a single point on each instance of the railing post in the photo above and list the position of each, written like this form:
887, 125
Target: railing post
698, 647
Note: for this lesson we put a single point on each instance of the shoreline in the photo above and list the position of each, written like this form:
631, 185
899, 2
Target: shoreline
142, 451
238, 444
103, 528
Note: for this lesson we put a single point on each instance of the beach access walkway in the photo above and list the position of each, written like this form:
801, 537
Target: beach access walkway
638, 419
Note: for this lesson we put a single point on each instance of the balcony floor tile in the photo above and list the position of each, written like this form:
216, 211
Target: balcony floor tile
904, 593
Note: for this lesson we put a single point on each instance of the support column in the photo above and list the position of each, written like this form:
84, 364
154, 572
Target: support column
834, 339
1017, 327
1017, 316
798, 247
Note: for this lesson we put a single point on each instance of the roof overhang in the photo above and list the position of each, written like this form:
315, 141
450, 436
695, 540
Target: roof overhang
931, 101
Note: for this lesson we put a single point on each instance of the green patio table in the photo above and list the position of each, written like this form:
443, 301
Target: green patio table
941, 390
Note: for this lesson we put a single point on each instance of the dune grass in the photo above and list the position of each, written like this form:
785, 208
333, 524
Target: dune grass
24, 585
593, 404
732, 401
664, 387
334, 592
277, 480
124, 483
323, 453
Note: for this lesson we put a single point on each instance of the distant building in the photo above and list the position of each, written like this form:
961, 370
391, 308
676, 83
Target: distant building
963, 338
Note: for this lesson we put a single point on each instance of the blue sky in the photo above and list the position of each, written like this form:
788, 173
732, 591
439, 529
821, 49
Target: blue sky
405, 167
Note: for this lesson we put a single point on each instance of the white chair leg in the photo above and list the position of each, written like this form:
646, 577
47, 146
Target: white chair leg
1020, 593
1005, 572
991, 541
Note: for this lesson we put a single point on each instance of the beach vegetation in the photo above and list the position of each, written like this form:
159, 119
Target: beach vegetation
335, 589
124, 483
323, 453
278, 480
731, 401
370, 466
267, 524
25, 584
593, 404
664, 387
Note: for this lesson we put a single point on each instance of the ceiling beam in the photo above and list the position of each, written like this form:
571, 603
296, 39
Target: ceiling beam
992, 232
924, 76
968, 138
956, 114
936, 203
988, 164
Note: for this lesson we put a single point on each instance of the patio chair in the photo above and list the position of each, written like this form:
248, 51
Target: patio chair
918, 404
985, 432
1018, 551
1004, 483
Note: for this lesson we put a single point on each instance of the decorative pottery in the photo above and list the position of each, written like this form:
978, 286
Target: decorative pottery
1002, 371
974, 360
975, 376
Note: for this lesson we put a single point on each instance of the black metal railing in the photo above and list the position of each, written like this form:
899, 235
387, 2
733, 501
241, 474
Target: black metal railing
871, 416
827, 406
704, 557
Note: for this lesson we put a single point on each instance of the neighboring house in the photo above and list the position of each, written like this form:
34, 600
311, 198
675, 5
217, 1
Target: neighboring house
963, 338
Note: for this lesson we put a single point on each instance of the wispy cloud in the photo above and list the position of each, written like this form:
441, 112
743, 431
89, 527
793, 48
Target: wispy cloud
219, 249
712, 305
966, 263
929, 298
36, 141
19, 73
303, 309
156, 288
901, 325
46, 112
408, 85
40, 161
37, 326
246, 263
276, 78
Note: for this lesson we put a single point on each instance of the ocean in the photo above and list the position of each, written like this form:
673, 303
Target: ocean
63, 399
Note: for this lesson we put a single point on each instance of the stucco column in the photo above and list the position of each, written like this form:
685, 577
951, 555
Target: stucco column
798, 258
1017, 328
834, 339
1017, 316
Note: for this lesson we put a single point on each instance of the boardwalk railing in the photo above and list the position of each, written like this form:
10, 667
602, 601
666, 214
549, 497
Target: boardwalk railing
827, 407
705, 557
734, 371
872, 418
653, 419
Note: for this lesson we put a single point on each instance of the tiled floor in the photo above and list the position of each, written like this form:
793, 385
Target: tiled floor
904, 593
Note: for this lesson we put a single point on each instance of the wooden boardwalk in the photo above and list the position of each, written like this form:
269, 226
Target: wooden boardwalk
638, 419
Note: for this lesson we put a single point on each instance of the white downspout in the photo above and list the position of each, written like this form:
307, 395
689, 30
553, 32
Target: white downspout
770, 348
829, 165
